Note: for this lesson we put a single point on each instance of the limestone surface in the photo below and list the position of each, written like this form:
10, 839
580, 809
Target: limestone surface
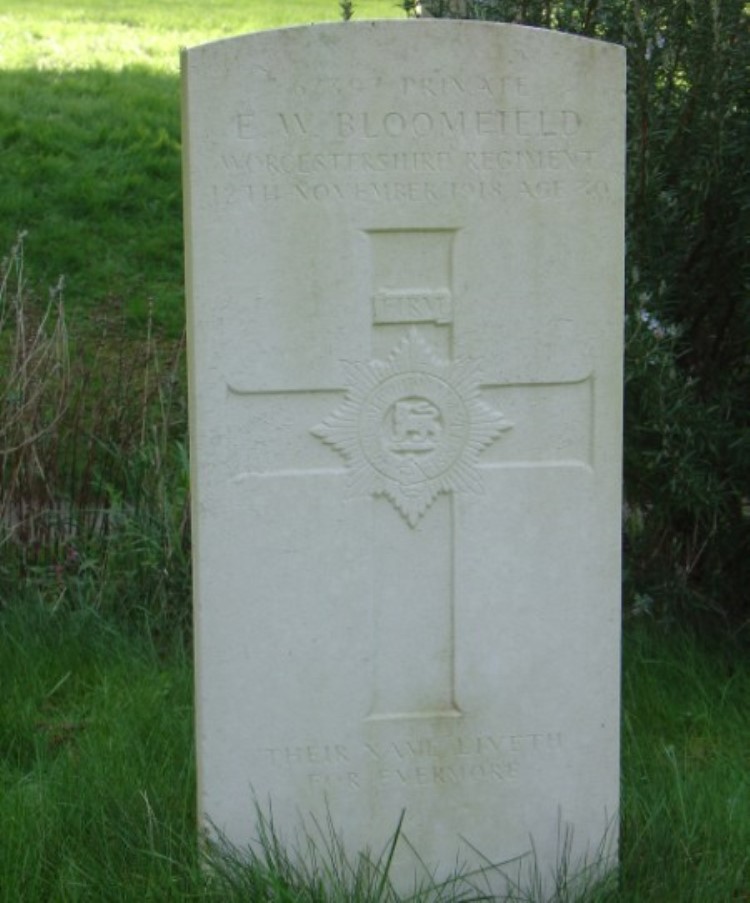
405, 277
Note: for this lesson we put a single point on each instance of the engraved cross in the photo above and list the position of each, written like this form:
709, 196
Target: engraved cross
415, 427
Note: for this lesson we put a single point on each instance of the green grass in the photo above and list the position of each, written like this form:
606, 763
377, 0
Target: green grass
90, 138
97, 772
41, 34
96, 762
686, 768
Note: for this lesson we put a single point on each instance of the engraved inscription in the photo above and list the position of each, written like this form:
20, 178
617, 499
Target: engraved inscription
413, 124
412, 426
412, 306
442, 123
235, 195
485, 85
420, 761
460, 86
367, 163
467, 137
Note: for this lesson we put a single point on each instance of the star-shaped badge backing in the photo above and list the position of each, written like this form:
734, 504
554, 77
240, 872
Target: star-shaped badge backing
412, 426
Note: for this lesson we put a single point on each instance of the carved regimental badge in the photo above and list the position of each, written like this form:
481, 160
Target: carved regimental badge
412, 426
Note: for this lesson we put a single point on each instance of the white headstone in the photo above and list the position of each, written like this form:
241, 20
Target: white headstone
404, 257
